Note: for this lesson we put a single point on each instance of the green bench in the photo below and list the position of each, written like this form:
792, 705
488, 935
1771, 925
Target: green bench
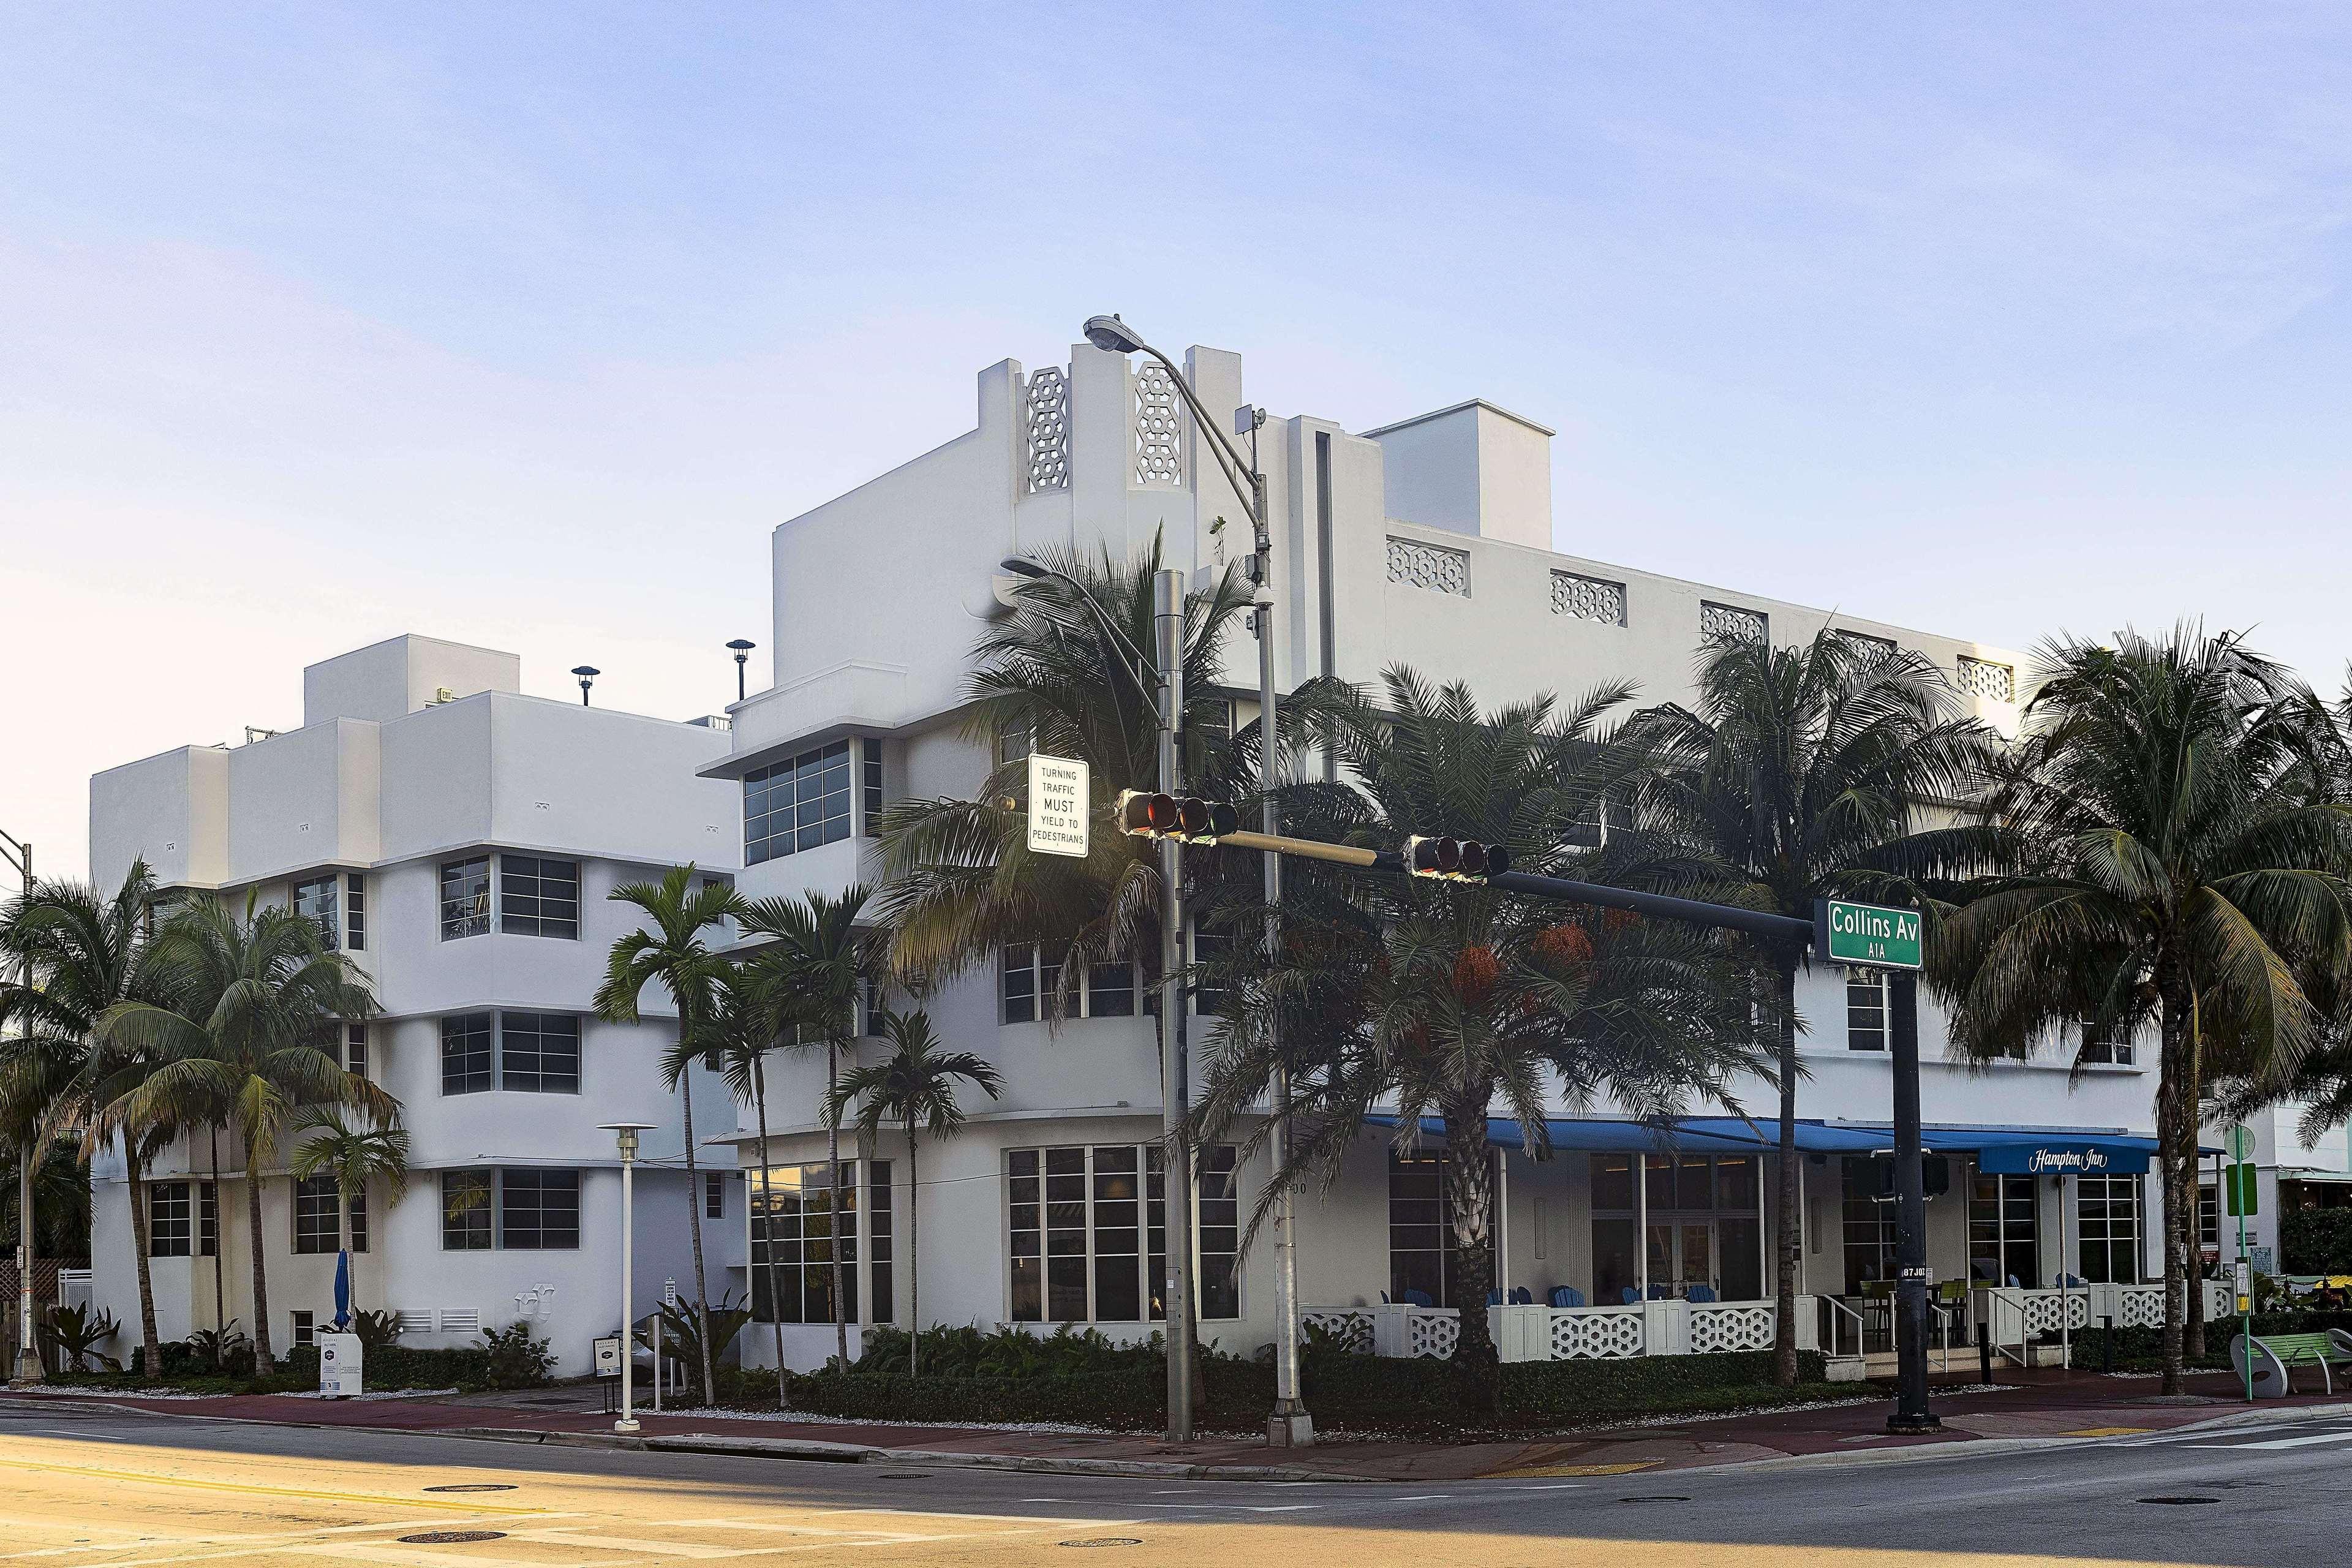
2275, 1356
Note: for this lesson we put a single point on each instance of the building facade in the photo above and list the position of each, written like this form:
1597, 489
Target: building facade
458, 842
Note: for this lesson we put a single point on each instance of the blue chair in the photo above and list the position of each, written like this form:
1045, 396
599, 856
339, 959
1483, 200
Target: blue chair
1416, 1298
1660, 1292
1566, 1296
1633, 1298
1701, 1294
1384, 1299
1522, 1297
1495, 1296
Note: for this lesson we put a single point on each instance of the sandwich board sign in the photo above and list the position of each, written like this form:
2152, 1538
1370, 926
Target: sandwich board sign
608, 1356
1060, 806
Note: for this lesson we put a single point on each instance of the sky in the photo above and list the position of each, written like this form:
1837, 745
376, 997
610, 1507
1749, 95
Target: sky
523, 325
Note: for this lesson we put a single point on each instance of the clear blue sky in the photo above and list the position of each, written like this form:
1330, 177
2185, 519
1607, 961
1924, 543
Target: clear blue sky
523, 324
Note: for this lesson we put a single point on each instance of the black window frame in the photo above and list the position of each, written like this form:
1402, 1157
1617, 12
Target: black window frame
472, 1224
317, 1214
466, 898
714, 1195
355, 1050
539, 1209
869, 782
474, 1039
1860, 1034
322, 909
170, 1219
798, 802
355, 911
538, 895
543, 1065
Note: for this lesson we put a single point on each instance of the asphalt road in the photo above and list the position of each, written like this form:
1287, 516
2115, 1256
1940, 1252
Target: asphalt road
116, 1490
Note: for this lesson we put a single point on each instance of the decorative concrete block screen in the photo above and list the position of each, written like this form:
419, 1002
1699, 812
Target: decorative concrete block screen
1868, 649
1352, 1330
1158, 459
1430, 566
1590, 1335
1435, 1334
1745, 1328
1588, 598
1048, 420
1731, 621
1983, 677
2140, 1308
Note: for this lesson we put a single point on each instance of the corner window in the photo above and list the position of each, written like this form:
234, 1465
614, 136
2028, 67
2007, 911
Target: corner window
797, 804
465, 1211
798, 1211
1012, 742
2110, 1044
355, 1050
1085, 1239
467, 1057
1028, 971
316, 900
465, 897
1865, 1010
207, 1220
538, 896
355, 911
869, 782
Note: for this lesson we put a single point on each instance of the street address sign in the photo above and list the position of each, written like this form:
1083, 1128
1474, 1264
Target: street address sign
1870, 935
1060, 806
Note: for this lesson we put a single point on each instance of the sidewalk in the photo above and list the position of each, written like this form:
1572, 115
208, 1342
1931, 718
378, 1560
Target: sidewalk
2045, 1406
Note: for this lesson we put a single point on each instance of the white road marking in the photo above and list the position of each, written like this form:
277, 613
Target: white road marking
70, 1432
2283, 1442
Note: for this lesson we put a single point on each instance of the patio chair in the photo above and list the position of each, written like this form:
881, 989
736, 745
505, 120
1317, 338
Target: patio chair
1495, 1296
1417, 1299
1660, 1291
1633, 1298
1566, 1296
1522, 1297
1700, 1294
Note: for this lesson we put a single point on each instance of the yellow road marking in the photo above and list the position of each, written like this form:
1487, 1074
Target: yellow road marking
190, 1482
1533, 1472
2108, 1432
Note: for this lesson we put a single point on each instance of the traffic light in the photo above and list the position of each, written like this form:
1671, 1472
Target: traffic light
1184, 819
1456, 859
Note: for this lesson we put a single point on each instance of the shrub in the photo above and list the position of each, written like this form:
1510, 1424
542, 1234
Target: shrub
2315, 1241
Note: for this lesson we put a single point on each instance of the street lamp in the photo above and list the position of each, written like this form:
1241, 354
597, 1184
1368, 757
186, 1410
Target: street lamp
742, 648
587, 673
626, 1133
18, 853
1289, 1426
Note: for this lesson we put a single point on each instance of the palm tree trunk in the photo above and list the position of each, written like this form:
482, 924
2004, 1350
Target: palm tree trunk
776, 1287
1469, 1182
694, 1221
149, 1342
24, 1236
832, 1168
1788, 1231
2170, 1085
220, 1251
2192, 1239
263, 1361
914, 1260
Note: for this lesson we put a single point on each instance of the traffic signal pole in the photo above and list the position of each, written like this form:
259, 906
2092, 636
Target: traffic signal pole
1911, 1412
1175, 1068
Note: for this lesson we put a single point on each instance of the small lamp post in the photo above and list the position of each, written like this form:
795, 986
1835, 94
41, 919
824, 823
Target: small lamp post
741, 648
587, 673
626, 1133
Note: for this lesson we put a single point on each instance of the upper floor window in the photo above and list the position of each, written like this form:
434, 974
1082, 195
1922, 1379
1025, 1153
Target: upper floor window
869, 781
465, 897
530, 1053
355, 911
1028, 972
714, 1195
539, 896
355, 1050
466, 1213
317, 1226
171, 1228
539, 1210
468, 1054
317, 899
2111, 1043
1012, 742
1865, 1010
797, 804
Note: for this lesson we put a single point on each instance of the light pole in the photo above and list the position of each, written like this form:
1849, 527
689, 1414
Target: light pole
1289, 1426
1175, 1097
625, 1132
741, 648
18, 852
587, 674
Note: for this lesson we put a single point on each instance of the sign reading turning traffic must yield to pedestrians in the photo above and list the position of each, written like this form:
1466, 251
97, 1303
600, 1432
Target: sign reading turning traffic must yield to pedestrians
1060, 802
1871, 936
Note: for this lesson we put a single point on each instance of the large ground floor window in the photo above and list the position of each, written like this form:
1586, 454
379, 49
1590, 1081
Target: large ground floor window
2108, 1208
1869, 1227
1086, 1238
1697, 1219
800, 1213
2004, 1231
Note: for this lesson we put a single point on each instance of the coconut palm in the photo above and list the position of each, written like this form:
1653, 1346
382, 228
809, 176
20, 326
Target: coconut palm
671, 949
915, 1087
817, 963
357, 1158
1426, 999
1803, 773
2170, 853
247, 998
86, 952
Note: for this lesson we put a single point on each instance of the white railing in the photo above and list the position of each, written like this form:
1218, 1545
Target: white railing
1839, 1315
74, 1288
1564, 1333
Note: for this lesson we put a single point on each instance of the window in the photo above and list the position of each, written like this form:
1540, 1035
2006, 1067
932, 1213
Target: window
1704, 1228
316, 900
869, 781
793, 1215
305, 1328
879, 1229
2110, 1044
539, 1053
2004, 1231
1086, 1234
1017, 983
465, 1211
538, 896
1420, 1230
1011, 742
355, 1050
1211, 717
207, 1220
1865, 1010
318, 1227
1028, 971
797, 804
714, 1195
1218, 1217
539, 1210
169, 1233
2108, 1226
465, 897
2208, 1215
466, 1054
355, 911
359, 1221
1869, 1228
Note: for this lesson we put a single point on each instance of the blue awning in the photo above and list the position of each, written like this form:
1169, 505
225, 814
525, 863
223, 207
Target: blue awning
2030, 1151
1598, 1134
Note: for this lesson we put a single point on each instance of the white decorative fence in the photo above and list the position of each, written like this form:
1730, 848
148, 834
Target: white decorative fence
1565, 1333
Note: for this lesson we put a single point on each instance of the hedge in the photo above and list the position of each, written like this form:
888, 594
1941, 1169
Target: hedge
2139, 1348
2315, 1241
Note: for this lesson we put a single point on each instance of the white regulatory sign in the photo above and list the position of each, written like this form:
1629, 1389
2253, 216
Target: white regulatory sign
1059, 805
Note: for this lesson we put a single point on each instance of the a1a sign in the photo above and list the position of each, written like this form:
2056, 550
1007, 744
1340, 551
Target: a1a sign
1872, 935
1060, 806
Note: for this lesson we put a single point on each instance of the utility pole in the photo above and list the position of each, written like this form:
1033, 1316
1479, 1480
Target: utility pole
1175, 1070
1911, 1412
18, 852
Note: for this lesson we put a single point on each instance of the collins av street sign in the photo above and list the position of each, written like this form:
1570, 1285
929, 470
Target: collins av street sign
1869, 935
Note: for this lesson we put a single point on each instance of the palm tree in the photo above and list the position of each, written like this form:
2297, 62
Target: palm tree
734, 1040
914, 1086
1803, 773
2168, 852
248, 999
671, 950
1434, 999
86, 952
818, 963
357, 1158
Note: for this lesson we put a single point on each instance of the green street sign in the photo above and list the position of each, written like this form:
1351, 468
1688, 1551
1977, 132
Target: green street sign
1867, 934
2239, 1141
2240, 1189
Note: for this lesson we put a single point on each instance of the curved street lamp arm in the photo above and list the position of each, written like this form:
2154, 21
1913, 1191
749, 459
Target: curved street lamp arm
1229, 457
